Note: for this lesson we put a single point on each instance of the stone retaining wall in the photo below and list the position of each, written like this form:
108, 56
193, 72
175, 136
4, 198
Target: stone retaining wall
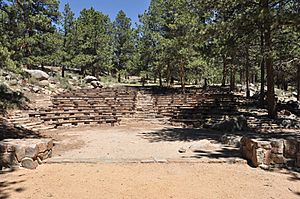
28, 153
271, 153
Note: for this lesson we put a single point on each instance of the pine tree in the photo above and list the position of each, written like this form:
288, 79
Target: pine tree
92, 39
124, 46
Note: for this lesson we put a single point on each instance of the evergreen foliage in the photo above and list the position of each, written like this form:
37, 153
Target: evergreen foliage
182, 41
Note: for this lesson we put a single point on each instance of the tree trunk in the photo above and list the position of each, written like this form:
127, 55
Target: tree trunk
242, 76
119, 78
247, 75
182, 77
82, 71
224, 71
205, 84
160, 79
172, 81
262, 70
298, 82
63, 71
232, 78
269, 63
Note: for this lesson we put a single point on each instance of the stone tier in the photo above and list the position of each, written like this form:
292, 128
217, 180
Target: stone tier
27, 153
271, 153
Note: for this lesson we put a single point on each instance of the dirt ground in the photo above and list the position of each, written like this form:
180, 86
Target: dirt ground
149, 181
94, 163
139, 141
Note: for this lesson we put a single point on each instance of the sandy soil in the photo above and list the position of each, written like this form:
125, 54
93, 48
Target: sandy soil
143, 141
149, 181
138, 141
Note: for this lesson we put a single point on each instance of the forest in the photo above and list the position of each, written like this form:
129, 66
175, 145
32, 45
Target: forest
182, 41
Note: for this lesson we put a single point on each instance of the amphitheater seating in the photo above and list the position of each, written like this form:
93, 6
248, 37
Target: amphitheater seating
111, 105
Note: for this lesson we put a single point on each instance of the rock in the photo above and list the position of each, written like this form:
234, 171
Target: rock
28, 163
263, 144
42, 146
7, 77
50, 144
8, 159
26, 89
38, 74
259, 157
6, 147
39, 161
89, 87
290, 148
45, 155
52, 86
50, 154
231, 125
231, 140
203, 144
44, 83
286, 123
89, 79
267, 157
20, 152
242, 123
277, 146
264, 167
249, 151
285, 113
277, 158
182, 150
226, 126
31, 151
295, 94
96, 84
298, 160
13, 82
36, 89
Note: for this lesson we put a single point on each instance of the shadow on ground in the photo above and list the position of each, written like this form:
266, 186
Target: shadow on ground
194, 134
6, 187
213, 138
11, 99
10, 132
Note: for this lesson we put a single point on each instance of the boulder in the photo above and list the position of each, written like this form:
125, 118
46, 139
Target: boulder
290, 148
20, 152
29, 163
231, 125
31, 151
277, 146
38, 74
298, 160
6, 147
285, 113
44, 83
227, 126
241, 123
8, 160
36, 89
89, 79
13, 82
231, 140
42, 146
96, 84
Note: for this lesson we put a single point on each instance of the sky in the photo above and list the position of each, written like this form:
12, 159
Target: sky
132, 8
